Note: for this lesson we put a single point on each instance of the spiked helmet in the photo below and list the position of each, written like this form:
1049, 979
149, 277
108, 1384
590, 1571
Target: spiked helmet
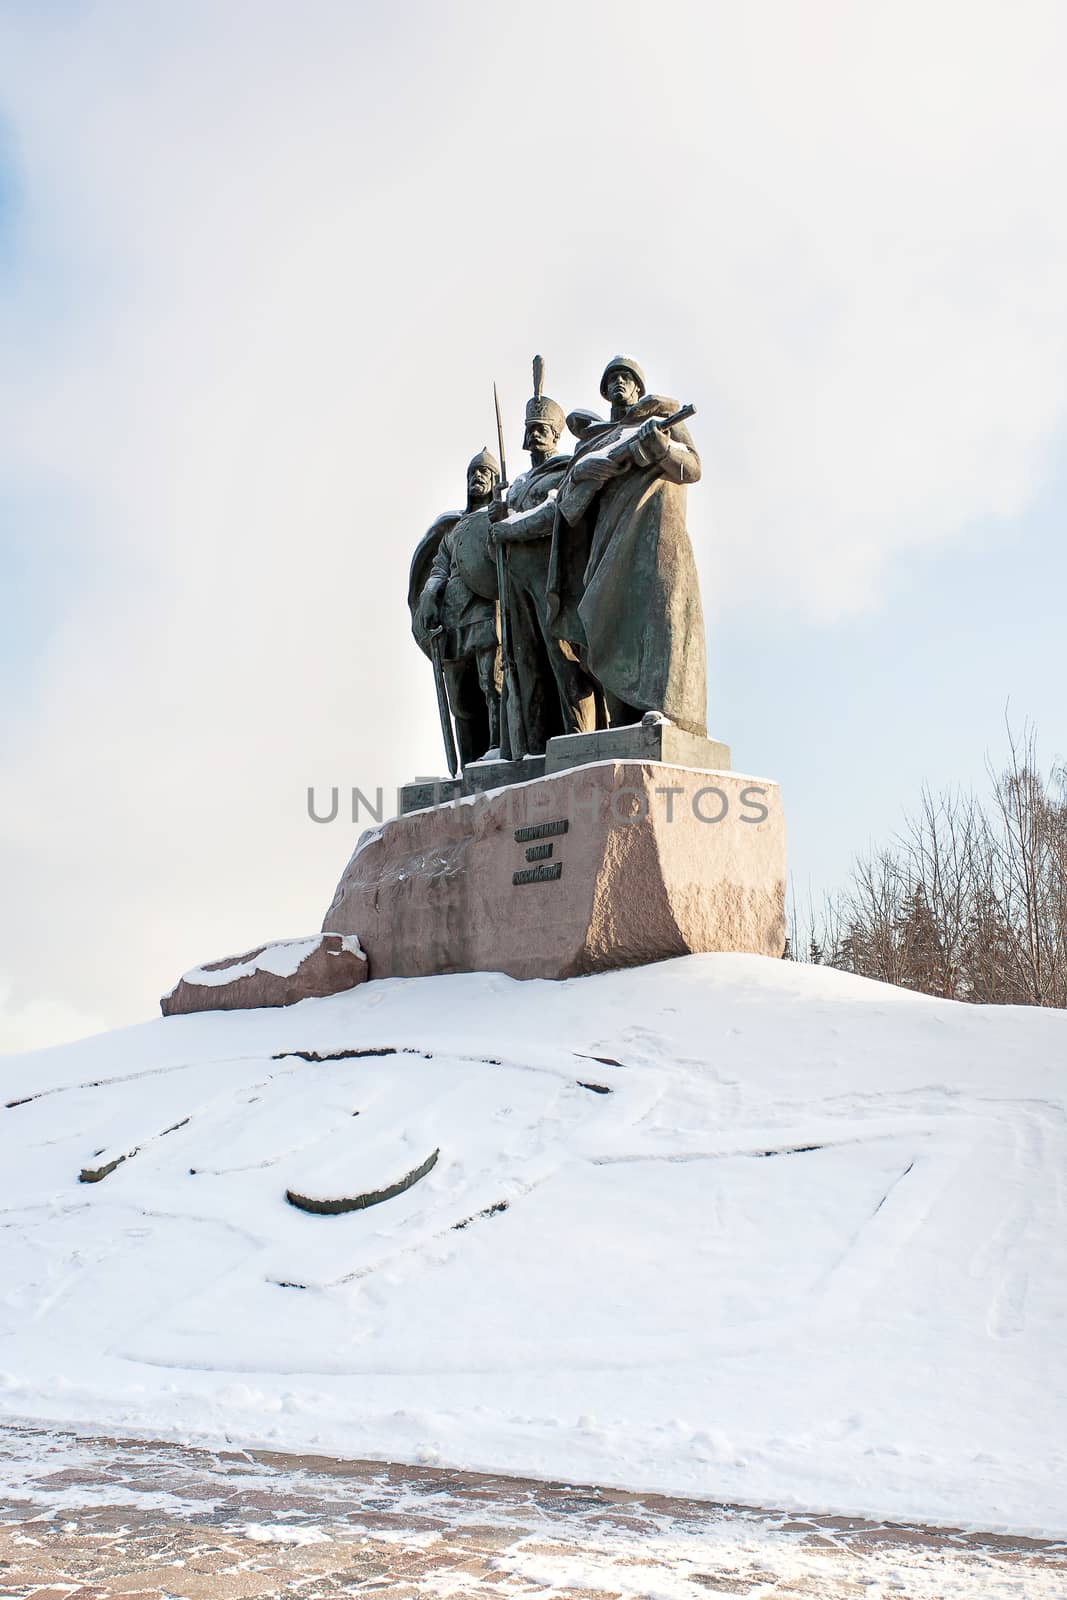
541, 408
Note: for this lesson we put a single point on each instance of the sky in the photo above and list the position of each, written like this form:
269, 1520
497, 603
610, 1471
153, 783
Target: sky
260, 265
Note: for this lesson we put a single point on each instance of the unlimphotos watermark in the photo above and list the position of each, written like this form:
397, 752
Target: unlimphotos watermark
708, 803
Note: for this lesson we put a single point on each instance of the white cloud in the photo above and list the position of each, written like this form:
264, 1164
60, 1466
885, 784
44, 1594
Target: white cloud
275, 261
39, 1022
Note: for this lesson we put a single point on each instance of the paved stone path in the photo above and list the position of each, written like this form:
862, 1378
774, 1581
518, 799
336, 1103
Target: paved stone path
92, 1519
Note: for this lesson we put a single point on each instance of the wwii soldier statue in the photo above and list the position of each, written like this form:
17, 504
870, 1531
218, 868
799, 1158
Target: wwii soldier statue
548, 692
468, 619
635, 612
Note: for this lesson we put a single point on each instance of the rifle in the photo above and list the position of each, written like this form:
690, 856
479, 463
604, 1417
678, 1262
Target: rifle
507, 660
621, 451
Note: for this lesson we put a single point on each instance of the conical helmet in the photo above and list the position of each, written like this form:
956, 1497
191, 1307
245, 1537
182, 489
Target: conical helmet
625, 364
485, 458
541, 408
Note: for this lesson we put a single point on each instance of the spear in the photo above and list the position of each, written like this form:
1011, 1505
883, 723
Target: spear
507, 661
503, 487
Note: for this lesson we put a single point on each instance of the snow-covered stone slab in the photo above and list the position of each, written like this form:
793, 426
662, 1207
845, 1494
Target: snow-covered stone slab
277, 974
333, 1205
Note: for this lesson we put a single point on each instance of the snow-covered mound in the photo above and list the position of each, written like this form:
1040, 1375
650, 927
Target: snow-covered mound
724, 1226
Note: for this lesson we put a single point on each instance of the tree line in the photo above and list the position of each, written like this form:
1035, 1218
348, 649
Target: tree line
968, 902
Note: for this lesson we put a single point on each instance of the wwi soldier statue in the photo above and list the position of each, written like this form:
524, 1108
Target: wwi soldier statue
469, 642
635, 612
550, 693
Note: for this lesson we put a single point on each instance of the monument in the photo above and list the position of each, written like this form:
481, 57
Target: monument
605, 829
586, 822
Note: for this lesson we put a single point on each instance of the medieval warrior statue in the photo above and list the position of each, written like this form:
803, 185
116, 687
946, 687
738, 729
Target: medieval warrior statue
455, 622
634, 612
547, 692
568, 599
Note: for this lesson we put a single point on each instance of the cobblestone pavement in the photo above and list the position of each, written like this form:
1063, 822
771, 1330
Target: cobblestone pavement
85, 1519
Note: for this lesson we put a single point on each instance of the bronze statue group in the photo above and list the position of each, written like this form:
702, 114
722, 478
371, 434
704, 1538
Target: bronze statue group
568, 599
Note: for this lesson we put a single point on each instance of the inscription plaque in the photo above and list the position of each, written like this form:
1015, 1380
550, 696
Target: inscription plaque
546, 873
539, 852
541, 830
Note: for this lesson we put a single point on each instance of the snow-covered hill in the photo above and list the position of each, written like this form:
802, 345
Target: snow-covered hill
724, 1226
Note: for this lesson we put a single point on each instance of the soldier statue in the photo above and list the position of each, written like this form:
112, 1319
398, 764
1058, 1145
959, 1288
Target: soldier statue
548, 691
622, 582
467, 618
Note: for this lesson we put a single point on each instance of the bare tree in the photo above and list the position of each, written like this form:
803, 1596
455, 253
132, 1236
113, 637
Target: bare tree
969, 902
1029, 846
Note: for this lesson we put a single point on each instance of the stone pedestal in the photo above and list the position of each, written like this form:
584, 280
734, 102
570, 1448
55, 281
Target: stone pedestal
423, 792
478, 777
586, 870
483, 775
654, 739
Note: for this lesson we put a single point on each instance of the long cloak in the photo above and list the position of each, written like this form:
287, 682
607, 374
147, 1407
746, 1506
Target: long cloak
637, 613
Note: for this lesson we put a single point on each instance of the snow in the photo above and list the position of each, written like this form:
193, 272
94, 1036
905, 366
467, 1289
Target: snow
568, 774
550, 1537
283, 957
810, 1251
273, 1533
368, 837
